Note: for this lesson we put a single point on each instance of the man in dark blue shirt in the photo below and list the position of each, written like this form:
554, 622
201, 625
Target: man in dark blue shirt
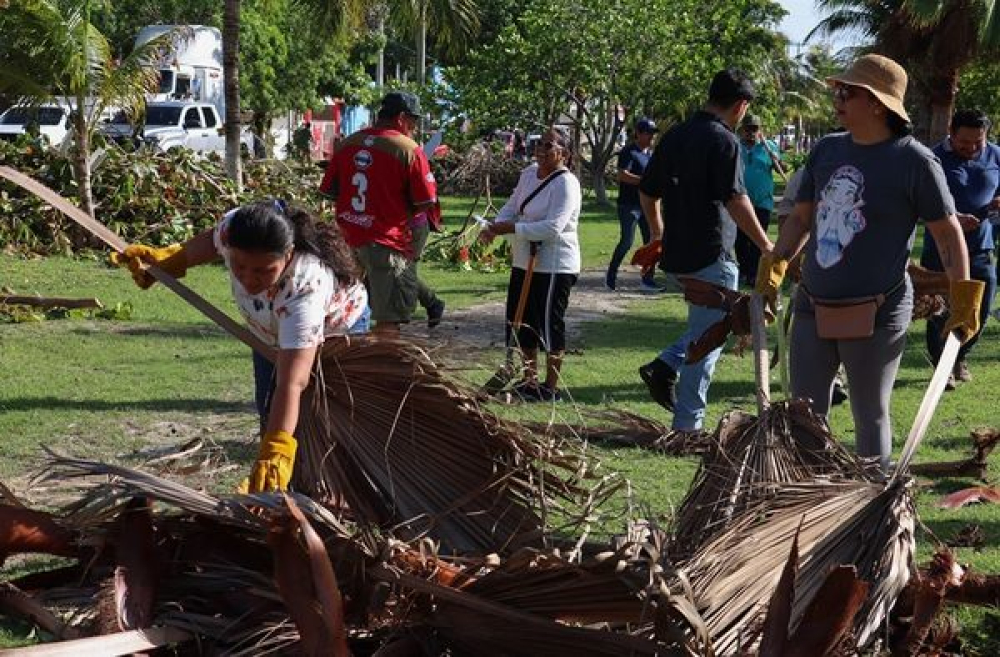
972, 167
632, 161
693, 179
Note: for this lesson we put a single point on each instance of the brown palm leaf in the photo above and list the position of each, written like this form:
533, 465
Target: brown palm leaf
627, 429
748, 458
856, 523
404, 446
538, 603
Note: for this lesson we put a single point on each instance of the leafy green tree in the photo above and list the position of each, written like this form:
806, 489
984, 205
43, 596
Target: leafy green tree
933, 39
121, 20
978, 89
581, 62
289, 64
53, 50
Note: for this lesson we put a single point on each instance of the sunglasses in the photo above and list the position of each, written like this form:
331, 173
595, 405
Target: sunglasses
547, 145
844, 92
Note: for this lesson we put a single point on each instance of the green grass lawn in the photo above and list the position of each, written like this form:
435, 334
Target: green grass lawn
101, 388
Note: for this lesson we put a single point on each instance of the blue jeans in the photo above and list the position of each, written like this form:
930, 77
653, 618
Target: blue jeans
264, 375
628, 217
694, 379
981, 268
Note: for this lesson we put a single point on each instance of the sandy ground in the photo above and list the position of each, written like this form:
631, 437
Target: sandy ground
481, 326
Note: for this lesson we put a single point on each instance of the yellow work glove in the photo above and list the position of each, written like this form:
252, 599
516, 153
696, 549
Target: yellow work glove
648, 256
274, 465
964, 299
170, 259
770, 274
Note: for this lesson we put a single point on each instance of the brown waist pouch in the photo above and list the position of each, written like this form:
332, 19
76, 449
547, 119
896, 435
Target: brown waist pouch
848, 319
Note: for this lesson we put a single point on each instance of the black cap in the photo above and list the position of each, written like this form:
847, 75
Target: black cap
751, 121
646, 125
399, 102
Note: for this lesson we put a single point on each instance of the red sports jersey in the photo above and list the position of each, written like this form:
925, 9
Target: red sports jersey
377, 176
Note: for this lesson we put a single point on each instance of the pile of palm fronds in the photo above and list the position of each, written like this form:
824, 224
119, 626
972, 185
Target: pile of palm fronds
279, 573
862, 524
385, 432
627, 429
753, 457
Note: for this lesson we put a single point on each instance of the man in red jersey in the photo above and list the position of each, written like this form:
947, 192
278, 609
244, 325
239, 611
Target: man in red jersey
385, 194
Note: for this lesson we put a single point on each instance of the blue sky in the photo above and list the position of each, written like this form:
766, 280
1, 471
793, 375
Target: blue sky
802, 17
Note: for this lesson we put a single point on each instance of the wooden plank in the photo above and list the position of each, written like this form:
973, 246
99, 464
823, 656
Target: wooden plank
48, 302
123, 643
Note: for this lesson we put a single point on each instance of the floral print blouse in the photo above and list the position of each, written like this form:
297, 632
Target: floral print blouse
303, 307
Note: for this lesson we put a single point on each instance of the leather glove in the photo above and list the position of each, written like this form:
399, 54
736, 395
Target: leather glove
964, 299
170, 259
770, 274
648, 256
274, 465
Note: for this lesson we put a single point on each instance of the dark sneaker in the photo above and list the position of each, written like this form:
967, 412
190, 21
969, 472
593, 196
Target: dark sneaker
610, 282
531, 392
527, 391
434, 313
962, 372
839, 393
660, 379
651, 288
951, 383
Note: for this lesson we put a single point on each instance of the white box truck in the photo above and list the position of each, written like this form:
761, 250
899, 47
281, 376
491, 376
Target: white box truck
193, 71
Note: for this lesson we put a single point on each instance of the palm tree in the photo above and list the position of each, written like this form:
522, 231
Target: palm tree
231, 89
52, 50
933, 39
331, 15
453, 22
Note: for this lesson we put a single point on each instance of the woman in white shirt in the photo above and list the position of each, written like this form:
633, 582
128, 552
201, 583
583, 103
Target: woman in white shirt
296, 283
542, 217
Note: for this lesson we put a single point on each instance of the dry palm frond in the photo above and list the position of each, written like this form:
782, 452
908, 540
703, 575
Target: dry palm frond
386, 432
628, 429
523, 607
217, 579
748, 458
984, 441
25, 530
862, 524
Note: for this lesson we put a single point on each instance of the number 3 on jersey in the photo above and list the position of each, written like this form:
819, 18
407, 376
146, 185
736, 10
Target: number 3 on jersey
359, 200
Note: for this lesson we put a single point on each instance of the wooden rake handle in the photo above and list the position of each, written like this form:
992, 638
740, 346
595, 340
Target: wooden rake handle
101, 232
522, 299
761, 360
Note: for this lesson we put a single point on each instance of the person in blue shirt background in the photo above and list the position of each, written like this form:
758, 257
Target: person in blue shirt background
972, 167
760, 157
632, 161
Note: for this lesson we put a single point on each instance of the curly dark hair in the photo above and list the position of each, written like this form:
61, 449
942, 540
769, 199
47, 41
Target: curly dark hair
274, 227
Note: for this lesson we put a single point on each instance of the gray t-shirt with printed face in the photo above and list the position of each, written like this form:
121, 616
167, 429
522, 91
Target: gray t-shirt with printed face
867, 202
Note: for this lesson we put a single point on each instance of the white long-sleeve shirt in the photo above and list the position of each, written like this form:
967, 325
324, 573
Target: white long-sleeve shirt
552, 217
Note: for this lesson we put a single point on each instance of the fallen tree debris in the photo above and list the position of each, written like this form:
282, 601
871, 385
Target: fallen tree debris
984, 441
48, 302
248, 574
967, 496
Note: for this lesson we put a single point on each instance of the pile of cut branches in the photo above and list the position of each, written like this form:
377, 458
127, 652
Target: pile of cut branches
156, 198
153, 562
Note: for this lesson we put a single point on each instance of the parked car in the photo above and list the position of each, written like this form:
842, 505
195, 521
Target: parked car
51, 121
178, 124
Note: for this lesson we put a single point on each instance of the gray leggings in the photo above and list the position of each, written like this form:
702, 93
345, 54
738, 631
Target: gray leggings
871, 365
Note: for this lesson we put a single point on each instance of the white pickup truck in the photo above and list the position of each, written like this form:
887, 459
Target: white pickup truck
181, 124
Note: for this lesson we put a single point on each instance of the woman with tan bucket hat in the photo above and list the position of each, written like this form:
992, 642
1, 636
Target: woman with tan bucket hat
863, 192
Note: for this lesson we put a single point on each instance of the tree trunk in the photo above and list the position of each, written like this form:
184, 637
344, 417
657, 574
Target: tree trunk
231, 76
422, 48
599, 181
81, 161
